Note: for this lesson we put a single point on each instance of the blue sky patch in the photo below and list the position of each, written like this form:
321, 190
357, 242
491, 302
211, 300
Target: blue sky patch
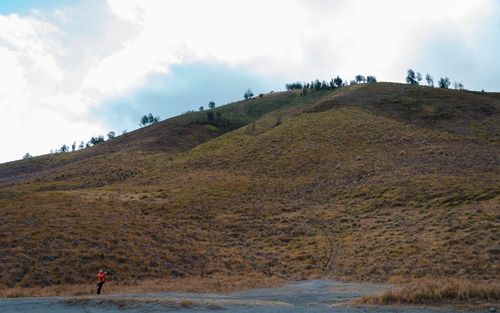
185, 87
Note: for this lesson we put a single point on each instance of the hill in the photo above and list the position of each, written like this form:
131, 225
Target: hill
366, 182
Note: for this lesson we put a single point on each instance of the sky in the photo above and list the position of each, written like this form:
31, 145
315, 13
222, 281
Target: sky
72, 69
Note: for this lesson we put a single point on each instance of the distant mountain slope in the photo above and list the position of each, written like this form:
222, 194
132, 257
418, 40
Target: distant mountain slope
366, 182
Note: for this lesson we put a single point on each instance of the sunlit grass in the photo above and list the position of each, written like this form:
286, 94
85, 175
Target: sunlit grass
344, 186
439, 292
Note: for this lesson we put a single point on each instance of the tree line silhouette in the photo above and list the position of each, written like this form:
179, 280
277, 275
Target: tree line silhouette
336, 82
414, 78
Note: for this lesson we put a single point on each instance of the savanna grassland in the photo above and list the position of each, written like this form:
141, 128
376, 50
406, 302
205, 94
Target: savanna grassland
373, 182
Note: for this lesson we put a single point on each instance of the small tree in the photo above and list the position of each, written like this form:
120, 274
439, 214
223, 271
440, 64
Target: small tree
419, 77
332, 84
111, 135
458, 85
150, 118
26, 156
73, 146
338, 81
360, 79
444, 82
211, 104
201, 108
371, 79
64, 148
81, 145
248, 94
411, 77
430, 81
96, 140
317, 85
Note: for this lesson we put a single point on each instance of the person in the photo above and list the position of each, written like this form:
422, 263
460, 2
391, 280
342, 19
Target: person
101, 279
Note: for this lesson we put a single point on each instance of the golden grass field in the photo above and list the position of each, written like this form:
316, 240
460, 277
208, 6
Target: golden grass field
372, 182
215, 283
442, 292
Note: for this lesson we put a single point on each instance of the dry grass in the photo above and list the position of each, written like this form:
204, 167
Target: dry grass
217, 283
439, 292
349, 190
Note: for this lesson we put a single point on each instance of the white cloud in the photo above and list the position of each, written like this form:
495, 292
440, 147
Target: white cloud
58, 65
293, 38
41, 105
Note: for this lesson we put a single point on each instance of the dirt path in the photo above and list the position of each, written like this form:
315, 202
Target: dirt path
314, 296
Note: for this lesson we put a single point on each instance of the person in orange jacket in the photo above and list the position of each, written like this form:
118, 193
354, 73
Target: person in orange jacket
101, 279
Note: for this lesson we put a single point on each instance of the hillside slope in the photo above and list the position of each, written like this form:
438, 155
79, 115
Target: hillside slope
166, 138
367, 182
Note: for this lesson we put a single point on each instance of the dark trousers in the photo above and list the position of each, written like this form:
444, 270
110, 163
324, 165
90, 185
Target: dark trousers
99, 287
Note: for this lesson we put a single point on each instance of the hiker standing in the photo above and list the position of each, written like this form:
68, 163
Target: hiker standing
101, 278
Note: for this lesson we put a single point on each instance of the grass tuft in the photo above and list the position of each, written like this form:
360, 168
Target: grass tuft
438, 292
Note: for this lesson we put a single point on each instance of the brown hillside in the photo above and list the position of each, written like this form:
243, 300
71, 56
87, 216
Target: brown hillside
167, 138
367, 182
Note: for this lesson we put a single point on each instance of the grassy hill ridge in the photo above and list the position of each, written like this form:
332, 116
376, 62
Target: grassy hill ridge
169, 137
367, 182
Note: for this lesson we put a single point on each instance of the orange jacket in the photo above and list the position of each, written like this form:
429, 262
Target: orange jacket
101, 277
